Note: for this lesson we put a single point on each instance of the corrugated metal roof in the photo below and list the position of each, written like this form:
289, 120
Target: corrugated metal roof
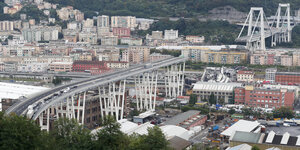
270, 137
211, 86
181, 117
298, 141
241, 125
285, 138
247, 137
14, 91
241, 147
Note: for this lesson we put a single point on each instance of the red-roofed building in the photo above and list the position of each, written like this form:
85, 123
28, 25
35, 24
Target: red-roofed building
94, 67
245, 76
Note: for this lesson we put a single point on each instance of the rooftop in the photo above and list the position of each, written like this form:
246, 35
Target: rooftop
62, 63
14, 91
211, 86
241, 125
241, 147
178, 143
246, 137
176, 120
288, 73
145, 114
244, 72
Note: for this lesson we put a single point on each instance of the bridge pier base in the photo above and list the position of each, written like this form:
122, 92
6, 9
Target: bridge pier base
45, 122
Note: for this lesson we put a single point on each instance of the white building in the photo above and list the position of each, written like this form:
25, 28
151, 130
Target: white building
245, 76
220, 90
33, 67
242, 125
171, 34
195, 39
270, 74
144, 24
12, 2
117, 64
103, 21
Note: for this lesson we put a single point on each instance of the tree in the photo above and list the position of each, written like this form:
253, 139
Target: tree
231, 111
193, 99
68, 134
212, 99
247, 111
221, 101
255, 148
56, 81
110, 137
17, 132
10, 37
155, 140
283, 112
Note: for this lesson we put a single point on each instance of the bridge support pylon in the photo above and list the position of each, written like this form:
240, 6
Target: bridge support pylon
146, 89
174, 80
112, 99
283, 23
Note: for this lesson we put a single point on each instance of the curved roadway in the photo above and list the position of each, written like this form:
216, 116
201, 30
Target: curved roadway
86, 84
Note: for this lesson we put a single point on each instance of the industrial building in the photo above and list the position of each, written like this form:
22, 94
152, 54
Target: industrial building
220, 90
266, 140
264, 97
187, 119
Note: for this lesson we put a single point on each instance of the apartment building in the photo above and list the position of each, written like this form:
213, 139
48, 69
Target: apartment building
117, 64
33, 67
6, 25
103, 21
264, 97
41, 33
123, 22
121, 32
136, 54
245, 76
61, 66
109, 40
225, 57
171, 34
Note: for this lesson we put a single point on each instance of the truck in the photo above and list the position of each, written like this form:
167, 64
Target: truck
214, 128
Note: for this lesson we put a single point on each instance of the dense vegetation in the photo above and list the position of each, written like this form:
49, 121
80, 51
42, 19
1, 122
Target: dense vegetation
174, 53
171, 8
20, 133
215, 32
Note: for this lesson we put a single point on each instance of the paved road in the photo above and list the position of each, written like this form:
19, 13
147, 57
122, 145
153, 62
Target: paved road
199, 136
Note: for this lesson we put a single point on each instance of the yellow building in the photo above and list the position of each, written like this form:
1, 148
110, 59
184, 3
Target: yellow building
225, 57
